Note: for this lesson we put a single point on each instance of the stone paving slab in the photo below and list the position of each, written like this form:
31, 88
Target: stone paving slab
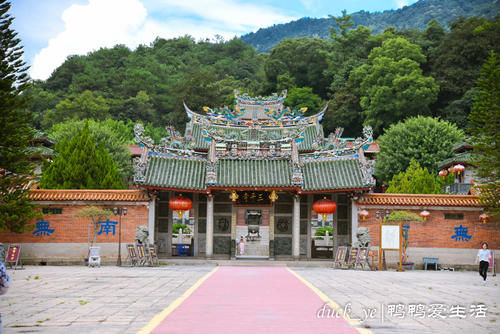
76, 299
387, 296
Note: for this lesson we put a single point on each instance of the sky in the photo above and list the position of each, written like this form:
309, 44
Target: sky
52, 30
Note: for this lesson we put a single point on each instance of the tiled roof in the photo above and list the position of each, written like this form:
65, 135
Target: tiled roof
462, 158
419, 200
88, 195
202, 144
175, 173
254, 173
332, 174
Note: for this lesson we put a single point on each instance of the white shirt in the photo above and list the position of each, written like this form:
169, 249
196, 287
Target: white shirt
484, 255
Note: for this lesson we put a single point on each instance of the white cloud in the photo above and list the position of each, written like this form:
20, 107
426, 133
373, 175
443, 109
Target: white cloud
105, 23
90, 27
402, 3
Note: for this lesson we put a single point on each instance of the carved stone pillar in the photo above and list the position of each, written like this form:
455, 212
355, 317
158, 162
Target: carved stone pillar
210, 227
296, 228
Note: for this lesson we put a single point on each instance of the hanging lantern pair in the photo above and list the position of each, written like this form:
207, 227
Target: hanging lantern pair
324, 207
180, 204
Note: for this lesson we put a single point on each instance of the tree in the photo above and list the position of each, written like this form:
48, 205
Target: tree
93, 214
415, 180
484, 128
392, 85
303, 97
78, 106
305, 59
425, 139
16, 210
114, 135
456, 63
80, 165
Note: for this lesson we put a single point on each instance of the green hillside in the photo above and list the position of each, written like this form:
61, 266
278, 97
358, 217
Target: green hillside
415, 16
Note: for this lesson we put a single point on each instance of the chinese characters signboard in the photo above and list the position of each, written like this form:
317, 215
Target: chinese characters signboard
257, 198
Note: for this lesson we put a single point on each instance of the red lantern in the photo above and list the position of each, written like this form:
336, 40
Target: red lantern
459, 169
451, 170
424, 214
443, 173
484, 217
180, 204
363, 214
324, 207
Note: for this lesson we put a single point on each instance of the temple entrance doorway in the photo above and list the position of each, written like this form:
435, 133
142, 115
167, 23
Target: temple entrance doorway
252, 227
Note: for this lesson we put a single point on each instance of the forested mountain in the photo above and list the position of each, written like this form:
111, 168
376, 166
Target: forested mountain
416, 16
367, 79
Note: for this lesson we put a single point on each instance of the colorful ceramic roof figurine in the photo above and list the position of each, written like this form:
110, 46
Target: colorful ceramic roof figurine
261, 144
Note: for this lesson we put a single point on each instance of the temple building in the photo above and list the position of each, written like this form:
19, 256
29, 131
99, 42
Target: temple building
253, 173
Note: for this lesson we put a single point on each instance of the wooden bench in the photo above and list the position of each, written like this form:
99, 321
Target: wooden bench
431, 260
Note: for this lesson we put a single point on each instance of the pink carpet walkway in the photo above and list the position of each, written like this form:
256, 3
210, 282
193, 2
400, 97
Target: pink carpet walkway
251, 300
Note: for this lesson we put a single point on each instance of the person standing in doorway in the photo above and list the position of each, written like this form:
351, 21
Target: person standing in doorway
242, 246
483, 257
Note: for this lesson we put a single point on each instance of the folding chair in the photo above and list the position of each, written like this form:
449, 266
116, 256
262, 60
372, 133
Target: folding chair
351, 262
362, 258
373, 253
153, 255
132, 255
14, 256
340, 257
141, 253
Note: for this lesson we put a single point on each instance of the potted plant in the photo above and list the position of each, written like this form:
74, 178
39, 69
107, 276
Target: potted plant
405, 216
181, 233
322, 232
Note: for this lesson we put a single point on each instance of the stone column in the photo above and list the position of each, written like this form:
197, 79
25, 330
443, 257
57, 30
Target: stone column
210, 227
195, 227
335, 233
354, 222
151, 219
296, 228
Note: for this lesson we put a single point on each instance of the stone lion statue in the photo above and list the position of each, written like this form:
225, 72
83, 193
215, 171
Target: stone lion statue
363, 236
142, 235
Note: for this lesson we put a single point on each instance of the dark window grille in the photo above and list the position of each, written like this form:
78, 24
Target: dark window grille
53, 211
455, 216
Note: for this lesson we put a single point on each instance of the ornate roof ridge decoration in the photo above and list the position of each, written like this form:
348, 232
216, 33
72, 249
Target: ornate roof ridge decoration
334, 145
308, 158
419, 200
253, 157
88, 195
199, 156
280, 118
254, 133
173, 144
245, 99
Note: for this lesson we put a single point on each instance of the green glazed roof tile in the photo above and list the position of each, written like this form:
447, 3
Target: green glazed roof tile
463, 157
175, 173
332, 174
254, 173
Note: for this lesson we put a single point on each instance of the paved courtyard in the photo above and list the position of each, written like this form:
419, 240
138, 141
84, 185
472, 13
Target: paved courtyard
74, 299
